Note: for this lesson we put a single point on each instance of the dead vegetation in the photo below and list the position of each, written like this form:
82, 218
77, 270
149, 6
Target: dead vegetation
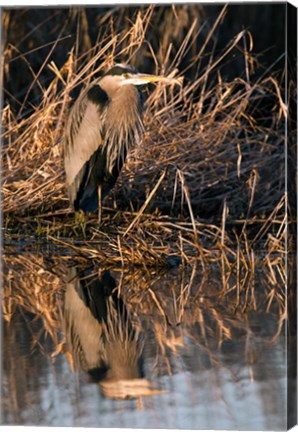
205, 189
218, 144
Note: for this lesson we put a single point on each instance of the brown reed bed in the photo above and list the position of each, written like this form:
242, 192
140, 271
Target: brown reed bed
212, 147
205, 189
196, 228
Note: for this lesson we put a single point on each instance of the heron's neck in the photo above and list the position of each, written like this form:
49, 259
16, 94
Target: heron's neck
123, 122
125, 105
123, 116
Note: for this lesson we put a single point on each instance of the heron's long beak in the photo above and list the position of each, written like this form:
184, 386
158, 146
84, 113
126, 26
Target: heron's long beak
141, 79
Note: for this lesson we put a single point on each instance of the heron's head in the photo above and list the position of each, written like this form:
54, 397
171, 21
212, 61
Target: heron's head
125, 74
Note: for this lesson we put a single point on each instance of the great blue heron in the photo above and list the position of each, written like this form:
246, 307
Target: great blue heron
104, 124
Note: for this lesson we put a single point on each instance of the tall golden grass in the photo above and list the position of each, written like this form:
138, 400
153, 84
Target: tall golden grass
221, 142
205, 188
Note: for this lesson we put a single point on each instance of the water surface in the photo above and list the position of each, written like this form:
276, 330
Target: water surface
186, 358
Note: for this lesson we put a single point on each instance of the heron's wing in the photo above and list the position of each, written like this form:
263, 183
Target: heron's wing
84, 135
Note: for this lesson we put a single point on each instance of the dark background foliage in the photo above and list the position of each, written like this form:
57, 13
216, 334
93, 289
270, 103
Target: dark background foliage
35, 36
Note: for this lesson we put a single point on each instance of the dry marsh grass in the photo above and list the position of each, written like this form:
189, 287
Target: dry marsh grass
205, 188
217, 144
196, 229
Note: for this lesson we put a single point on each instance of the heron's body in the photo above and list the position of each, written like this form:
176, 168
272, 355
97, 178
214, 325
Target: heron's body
103, 125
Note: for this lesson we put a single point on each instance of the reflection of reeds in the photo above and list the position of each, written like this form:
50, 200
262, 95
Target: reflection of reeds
31, 286
163, 300
183, 314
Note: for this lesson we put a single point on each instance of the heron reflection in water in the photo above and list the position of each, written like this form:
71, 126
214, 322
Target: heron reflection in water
100, 335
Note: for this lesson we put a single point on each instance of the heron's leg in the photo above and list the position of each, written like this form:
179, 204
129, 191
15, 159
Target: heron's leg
99, 204
81, 220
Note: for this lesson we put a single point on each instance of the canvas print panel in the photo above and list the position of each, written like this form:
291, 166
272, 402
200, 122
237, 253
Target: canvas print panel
148, 216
